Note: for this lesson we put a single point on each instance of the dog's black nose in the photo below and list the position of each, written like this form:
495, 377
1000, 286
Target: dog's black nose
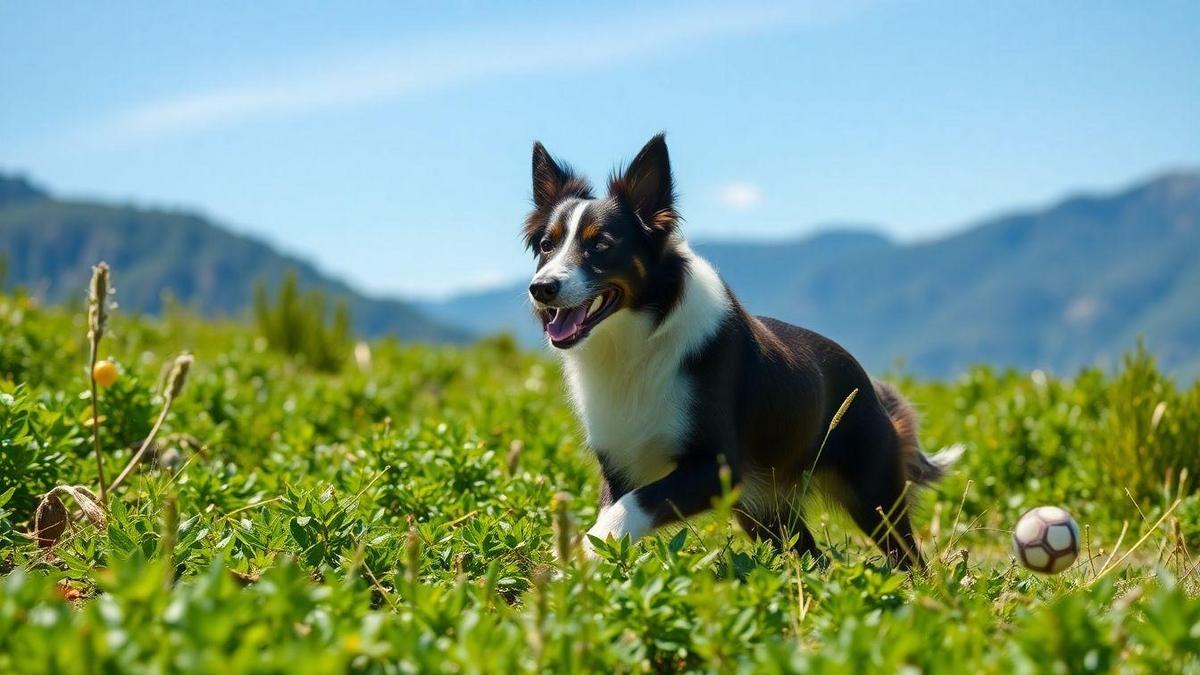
545, 290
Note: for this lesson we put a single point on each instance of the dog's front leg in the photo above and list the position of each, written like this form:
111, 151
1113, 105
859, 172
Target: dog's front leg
684, 492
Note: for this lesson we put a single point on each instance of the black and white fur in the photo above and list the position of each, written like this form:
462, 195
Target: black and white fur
673, 379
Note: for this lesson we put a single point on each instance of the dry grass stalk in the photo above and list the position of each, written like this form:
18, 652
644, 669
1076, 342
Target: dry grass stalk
169, 535
1109, 566
833, 424
97, 318
172, 390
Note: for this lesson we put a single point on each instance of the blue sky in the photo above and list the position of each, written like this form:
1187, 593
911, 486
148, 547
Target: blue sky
389, 142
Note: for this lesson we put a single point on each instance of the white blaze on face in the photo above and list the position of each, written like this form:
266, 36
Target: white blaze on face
565, 265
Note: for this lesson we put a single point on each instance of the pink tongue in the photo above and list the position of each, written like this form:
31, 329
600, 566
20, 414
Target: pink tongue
566, 323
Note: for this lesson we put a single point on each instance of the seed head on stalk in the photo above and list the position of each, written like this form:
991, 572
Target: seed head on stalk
97, 304
178, 376
564, 530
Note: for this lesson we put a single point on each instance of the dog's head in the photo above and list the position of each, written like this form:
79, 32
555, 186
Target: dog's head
600, 256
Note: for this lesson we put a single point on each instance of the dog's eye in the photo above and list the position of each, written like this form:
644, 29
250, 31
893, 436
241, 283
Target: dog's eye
600, 246
545, 245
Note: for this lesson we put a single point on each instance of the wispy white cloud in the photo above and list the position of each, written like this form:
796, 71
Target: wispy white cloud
452, 60
740, 195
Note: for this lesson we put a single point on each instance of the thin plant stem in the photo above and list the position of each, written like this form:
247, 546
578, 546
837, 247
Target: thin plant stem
247, 507
96, 426
98, 289
174, 386
833, 423
1108, 567
137, 456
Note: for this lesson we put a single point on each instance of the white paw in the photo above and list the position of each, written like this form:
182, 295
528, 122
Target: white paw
624, 518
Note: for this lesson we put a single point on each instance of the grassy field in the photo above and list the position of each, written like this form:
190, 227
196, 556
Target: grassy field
400, 516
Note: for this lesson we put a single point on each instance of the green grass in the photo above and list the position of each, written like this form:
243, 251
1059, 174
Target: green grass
400, 518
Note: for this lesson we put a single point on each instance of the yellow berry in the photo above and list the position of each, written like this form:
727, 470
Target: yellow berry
105, 373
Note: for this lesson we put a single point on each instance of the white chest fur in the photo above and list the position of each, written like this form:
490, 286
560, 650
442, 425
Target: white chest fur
627, 383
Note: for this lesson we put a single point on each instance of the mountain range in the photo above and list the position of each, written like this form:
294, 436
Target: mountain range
50, 245
1072, 284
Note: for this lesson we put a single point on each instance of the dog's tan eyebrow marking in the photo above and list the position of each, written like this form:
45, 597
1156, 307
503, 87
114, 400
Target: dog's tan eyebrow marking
591, 230
555, 230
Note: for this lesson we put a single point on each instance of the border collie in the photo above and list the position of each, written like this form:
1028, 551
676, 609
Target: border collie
673, 380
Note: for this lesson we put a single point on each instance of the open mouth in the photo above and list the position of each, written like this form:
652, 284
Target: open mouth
566, 326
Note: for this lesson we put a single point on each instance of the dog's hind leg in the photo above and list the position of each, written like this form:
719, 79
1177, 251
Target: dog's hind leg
877, 499
890, 528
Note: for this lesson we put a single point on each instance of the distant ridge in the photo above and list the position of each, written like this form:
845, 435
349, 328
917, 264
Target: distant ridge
1057, 288
1061, 287
50, 245
18, 190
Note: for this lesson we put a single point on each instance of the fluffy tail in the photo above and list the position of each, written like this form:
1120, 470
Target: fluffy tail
920, 468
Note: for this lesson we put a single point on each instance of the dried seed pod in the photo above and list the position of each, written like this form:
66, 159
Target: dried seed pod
178, 376
49, 520
88, 503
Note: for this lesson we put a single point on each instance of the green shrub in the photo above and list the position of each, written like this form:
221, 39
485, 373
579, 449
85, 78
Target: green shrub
1152, 430
36, 444
296, 325
400, 520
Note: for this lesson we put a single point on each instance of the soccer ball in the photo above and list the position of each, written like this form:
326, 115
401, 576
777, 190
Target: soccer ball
1046, 539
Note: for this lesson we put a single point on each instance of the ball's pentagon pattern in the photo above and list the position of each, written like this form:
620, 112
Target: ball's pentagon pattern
1060, 538
1036, 557
1046, 539
1062, 562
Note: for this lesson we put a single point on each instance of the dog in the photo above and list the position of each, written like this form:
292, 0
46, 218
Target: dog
683, 394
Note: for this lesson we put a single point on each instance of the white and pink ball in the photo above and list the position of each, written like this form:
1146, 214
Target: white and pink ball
1046, 539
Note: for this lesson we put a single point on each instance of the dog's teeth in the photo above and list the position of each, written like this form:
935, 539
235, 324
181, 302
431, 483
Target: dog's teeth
596, 302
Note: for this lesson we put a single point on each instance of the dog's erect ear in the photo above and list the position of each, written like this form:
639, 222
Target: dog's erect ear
648, 188
551, 182
549, 179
